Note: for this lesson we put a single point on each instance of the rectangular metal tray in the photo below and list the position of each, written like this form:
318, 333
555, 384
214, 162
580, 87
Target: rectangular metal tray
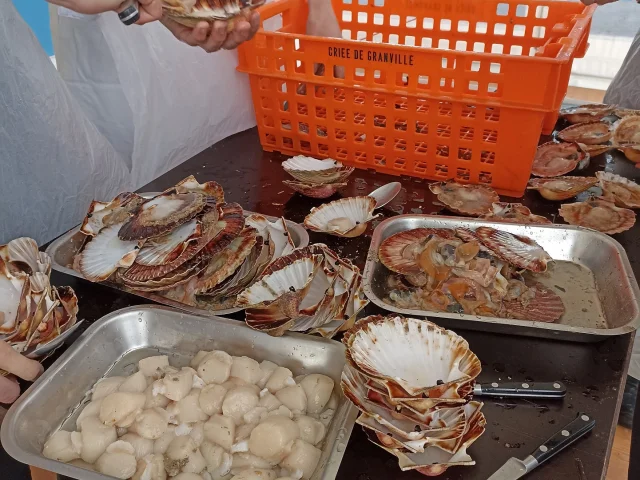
114, 344
63, 249
615, 284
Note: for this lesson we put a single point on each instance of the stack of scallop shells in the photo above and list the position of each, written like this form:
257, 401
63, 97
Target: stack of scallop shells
412, 382
34, 315
316, 178
310, 290
191, 12
186, 244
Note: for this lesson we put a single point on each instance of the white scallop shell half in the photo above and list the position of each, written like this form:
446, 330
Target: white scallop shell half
310, 164
347, 217
157, 251
25, 251
624, 192
276, 232
105, 253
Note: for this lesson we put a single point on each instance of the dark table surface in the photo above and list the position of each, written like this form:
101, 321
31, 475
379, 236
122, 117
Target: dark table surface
594, 373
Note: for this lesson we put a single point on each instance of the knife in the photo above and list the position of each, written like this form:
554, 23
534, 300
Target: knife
548, 390
516, 468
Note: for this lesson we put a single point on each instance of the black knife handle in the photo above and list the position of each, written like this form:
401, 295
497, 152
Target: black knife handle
522, 389
565, 437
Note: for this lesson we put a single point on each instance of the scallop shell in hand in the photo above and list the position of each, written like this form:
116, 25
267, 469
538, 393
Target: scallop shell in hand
561, 188
106, 253
415, 355
347, 217
624, 192
601, 215
592, 133
465, 199
520, 251
190, 12
555, 159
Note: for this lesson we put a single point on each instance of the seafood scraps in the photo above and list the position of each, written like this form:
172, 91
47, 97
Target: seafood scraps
484, 272
316, 178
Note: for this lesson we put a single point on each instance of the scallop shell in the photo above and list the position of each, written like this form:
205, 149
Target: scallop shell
595, 150
15, 300
183, 274
627, 131
514, 213
190, 12
540, 304
591, 133
165, 249
587, 113
347, 217
625, 193
601, 215
561, 188
522, 252
631, 151
432, 357
162, 214
101, 215
625, 112
212, 190
24, 251
302, 163
276, 232
465, 199
319, 172
399, 253
555, 159
105, 253
314, 190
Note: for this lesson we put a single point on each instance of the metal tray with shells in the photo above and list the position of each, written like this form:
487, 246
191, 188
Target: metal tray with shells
585, 262
64, 249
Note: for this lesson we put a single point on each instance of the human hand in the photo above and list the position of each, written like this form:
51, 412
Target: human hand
599, 2
150, 10
16, 364
213, 37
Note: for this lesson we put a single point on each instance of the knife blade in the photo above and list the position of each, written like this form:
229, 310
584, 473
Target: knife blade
549, 390
515, 468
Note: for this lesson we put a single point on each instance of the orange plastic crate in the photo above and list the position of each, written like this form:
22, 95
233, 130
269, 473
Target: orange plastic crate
458, 89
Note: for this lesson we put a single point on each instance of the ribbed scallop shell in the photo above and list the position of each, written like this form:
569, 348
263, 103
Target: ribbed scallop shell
627, 131
601, 215
555, 159
23, 252
276, 232
631, 151
595, 150
591, 133
625, 112
347, 217
313, 190
540, 304
514, 213
465, 199
167, 248
191, 12
105, 214
212, 190
399, 253
317, 172
624, 192
587, 113
180, 275
561, 188
520, 251
105, 253
308, 164
415, 355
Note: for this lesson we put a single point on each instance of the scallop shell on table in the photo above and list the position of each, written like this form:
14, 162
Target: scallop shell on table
105, 253
465, 199
314, 190
591, 133
103, 214
625, 112
625, 193
631, 151
597, 214
587, 113
555, 159
400, 252
514, 213
595, 150
432, 357
320, 172
190, 12
627, 131
347, 217
561, 188
165, 249
520, 251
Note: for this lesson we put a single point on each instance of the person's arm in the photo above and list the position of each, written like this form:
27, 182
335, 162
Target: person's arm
150, 10
599, 2
16, 364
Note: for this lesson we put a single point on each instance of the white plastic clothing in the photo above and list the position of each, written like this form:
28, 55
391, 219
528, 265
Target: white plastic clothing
625, 89
53, 160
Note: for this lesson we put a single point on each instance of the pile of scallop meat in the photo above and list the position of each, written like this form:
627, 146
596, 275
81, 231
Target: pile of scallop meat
222, 417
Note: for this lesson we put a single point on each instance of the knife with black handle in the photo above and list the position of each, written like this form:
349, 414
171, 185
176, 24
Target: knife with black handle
543, 390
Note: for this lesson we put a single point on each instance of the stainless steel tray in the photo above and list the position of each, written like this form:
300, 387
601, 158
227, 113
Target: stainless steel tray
615, 291
64, 248
113, 346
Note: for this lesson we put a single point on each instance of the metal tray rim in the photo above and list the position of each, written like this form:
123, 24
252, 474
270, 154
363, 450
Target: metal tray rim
602, 333
9, 424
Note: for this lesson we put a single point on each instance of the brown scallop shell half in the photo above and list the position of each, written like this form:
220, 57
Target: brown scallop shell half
207, 10
591, 133
514, 213
595, 150
520, 251
314, 190
625, 193
465, 199
554, 159
627, 131
587, 113
541, 305
631, 151
561, 188
598, 214
399, 253
625, 112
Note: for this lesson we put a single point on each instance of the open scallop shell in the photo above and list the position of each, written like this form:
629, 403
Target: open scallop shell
275, 232
400, 252
413, 355
165, 249
314, 190
595, 150
522, 252
514, 213
347, 217
212, 190
180, 275
587, 113
161, 214
102, 214
191, 12
554, 159
625, 112
624, 192
105, 253
536, 303
561, 188
465, 199
591, 133
23, 252
319, 172
631, 151
597, 214
627, 131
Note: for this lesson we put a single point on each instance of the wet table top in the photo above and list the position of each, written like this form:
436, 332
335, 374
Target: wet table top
594, 373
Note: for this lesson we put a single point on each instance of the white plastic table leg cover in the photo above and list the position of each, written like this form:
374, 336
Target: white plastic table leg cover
53, 160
